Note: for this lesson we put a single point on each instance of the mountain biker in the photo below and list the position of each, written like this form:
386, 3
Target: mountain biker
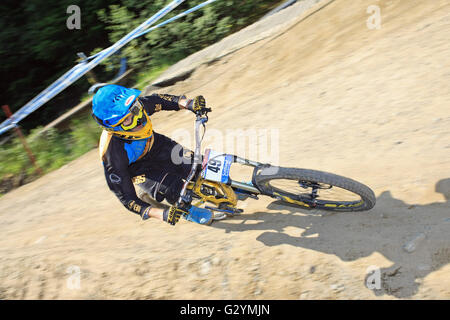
133, 154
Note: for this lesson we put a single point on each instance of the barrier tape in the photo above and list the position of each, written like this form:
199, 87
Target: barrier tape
88, 64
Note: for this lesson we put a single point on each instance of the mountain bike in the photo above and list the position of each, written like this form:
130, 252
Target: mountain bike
209, 183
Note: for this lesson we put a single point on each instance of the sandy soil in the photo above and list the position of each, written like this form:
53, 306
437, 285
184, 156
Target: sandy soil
372, 105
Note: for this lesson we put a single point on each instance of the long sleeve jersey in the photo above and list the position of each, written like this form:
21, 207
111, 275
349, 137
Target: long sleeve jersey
121, 158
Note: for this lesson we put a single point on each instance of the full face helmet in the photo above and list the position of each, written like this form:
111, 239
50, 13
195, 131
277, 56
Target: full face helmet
118, 110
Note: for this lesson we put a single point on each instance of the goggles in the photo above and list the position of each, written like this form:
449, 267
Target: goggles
138, 118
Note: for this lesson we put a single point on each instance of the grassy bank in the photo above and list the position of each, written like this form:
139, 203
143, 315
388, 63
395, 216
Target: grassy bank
53, 149
56, 148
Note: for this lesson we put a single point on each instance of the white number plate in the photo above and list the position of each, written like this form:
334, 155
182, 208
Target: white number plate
216, 166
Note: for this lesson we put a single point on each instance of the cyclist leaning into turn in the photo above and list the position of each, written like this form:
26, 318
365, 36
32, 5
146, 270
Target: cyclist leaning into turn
132, 153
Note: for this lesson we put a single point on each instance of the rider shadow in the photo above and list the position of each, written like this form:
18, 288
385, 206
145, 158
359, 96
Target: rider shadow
414, 237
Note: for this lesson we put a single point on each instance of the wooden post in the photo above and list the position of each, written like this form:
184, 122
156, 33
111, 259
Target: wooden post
24, 142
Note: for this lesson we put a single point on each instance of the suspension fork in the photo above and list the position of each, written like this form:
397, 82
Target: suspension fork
184, 196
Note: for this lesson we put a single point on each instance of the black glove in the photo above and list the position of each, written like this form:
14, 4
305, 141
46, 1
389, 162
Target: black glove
198, 105
173, 214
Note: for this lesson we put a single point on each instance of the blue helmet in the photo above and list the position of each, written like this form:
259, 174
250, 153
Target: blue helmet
111, 105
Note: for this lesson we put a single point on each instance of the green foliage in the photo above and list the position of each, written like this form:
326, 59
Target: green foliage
84, 136
183, 37
13, 158
37, 48
145, 77
52, 149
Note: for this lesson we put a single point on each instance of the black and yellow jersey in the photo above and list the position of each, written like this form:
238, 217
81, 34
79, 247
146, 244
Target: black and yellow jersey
122, 158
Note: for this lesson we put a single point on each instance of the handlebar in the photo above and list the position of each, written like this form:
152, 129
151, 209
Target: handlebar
201, 119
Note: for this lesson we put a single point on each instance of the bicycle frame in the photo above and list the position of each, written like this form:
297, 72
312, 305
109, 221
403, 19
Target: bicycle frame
248, 187
214, 184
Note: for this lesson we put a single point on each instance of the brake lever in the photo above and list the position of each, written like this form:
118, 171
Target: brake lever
203, 111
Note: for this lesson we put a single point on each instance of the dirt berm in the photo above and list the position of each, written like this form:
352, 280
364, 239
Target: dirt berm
330, 93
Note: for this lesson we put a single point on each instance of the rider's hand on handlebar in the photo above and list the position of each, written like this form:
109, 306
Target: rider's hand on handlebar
172, 214
198, 105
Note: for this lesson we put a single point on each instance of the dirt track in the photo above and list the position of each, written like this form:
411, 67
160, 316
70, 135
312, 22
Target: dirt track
372, 105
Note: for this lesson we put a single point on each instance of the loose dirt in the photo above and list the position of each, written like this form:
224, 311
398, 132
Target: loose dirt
329, 94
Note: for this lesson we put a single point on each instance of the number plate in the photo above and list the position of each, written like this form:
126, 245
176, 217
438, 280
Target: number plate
216, 166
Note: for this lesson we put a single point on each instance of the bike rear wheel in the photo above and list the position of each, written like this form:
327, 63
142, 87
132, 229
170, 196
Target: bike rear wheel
314, 189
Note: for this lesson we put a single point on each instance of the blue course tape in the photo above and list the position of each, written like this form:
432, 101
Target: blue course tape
80, 69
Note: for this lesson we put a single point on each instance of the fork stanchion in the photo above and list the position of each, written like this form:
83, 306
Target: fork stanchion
24, 142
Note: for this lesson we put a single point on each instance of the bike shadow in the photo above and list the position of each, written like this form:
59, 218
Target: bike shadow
391, 228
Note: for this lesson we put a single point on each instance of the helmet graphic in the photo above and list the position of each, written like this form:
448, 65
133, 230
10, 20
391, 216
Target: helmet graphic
118, 110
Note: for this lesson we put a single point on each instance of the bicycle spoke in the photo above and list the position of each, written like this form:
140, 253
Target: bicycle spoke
313, 190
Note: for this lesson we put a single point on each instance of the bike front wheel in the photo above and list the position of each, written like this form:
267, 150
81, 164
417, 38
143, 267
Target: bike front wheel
314, 189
